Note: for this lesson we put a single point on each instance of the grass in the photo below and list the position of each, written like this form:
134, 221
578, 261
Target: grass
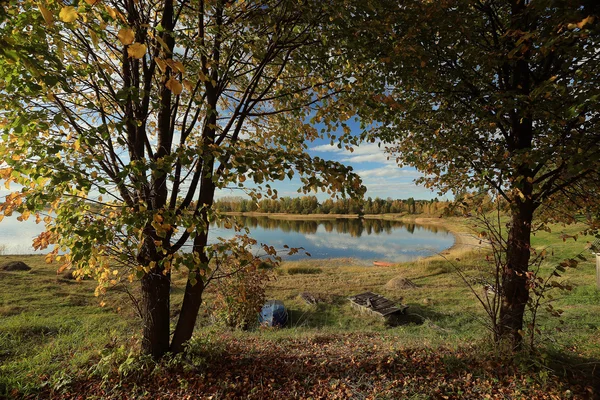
51, 328
54, 331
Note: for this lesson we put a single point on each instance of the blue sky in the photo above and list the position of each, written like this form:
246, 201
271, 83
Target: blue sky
382, 177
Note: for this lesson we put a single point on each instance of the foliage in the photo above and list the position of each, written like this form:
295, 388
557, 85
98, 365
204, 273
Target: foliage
240, 288
120, 129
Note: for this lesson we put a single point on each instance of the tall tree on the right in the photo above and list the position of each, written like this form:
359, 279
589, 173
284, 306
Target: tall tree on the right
496, 95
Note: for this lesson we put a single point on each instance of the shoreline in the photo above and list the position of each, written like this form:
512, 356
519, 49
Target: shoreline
463, 241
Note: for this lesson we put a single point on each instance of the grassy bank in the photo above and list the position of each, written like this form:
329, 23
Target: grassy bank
54, 334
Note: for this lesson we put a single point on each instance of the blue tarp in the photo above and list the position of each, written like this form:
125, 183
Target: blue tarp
273, 313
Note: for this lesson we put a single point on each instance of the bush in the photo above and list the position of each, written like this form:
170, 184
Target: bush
240, 293
304, 270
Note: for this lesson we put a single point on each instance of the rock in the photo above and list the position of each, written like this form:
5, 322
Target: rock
399, 283
15, 266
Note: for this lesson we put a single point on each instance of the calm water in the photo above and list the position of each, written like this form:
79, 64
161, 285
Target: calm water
363, 239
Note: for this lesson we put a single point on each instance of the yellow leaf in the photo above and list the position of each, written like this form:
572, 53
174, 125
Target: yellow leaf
94, 37
585, 21
1, 217
68, 14
163, 44
162, 65
92, 2
46, 14
174, 86
126, 36
178, 66
202, 76
110, 11
136, 50
188, 85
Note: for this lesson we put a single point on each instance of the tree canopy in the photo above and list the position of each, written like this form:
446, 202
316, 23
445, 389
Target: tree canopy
131, 115
497, 96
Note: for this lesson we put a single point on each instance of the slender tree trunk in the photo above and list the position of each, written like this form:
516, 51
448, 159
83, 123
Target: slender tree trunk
155, 313
192, 300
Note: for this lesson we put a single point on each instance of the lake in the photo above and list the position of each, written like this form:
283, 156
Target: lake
363, 239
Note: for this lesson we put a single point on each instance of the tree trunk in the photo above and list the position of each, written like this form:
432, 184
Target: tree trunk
155, 313
515, 292
192, 300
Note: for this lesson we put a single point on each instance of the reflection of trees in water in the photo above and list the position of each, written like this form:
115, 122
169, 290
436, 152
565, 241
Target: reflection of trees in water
354, 227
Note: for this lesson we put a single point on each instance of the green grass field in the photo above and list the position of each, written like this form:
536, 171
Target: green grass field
54, 334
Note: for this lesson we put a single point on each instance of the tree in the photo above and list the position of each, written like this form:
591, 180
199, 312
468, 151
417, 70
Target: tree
493, 95
140, 113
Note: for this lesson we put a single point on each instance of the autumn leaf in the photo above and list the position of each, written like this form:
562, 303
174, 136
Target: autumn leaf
46, 14
111, 11
127, 36
188, 85
162, 65
163, 43
68, 14
585, 21
136, 50
94, 37
92, 2
176, 66
174, 86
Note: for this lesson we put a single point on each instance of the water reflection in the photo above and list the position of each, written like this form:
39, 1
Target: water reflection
355, 227
364, 239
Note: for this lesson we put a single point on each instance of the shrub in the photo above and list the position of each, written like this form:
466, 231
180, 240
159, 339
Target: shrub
240, 289
304, 270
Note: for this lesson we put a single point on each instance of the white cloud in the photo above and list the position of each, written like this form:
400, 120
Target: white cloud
389, 171
366, 152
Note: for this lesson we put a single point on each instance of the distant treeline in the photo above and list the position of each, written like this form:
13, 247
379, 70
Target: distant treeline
311, 205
